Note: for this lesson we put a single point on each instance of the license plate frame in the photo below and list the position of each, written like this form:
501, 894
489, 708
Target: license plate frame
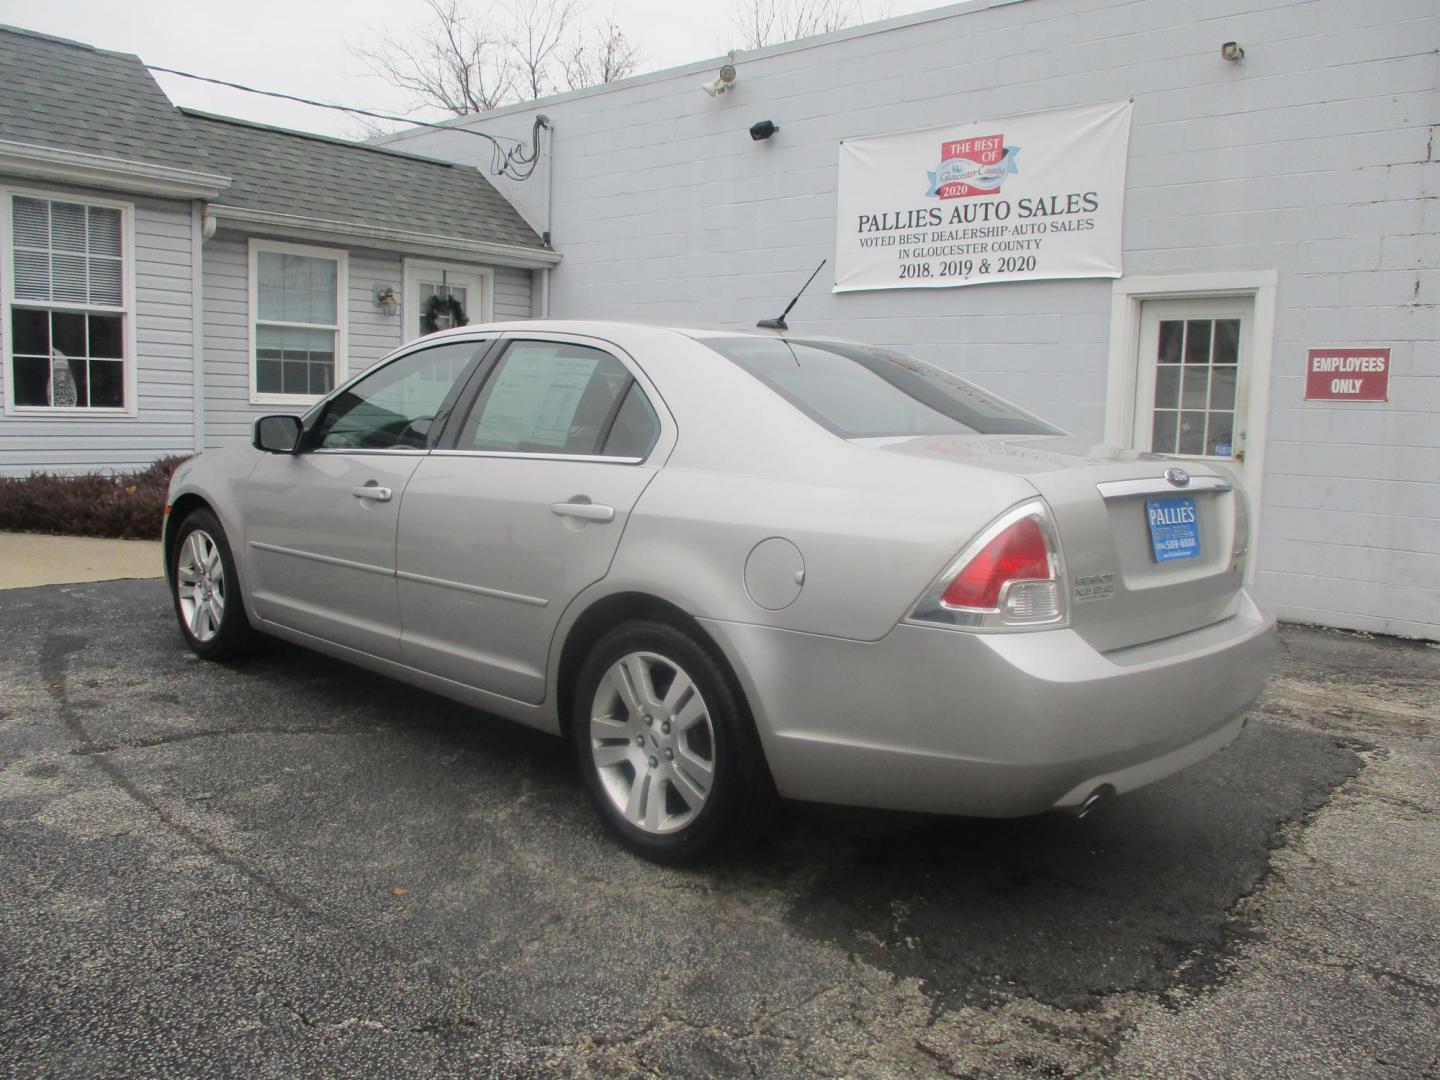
1174, 527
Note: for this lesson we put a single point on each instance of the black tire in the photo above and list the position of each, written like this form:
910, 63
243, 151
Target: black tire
740, 791
234, 635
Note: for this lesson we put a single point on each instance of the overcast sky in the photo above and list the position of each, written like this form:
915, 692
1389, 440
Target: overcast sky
299, 46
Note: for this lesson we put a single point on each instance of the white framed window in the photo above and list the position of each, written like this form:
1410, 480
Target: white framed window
66, 304
297, 321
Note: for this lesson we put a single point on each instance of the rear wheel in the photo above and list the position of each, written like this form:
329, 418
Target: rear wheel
666, 745
206, 589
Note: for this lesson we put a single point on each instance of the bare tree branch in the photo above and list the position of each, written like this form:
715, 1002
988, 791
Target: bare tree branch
537, 29
457, 62
768, 22
603, 56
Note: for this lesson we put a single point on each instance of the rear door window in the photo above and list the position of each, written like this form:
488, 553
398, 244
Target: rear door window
863, 392
551, 397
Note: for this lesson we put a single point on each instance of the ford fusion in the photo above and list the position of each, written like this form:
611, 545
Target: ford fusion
731, 565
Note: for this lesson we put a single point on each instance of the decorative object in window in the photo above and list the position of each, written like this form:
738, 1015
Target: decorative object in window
442, 312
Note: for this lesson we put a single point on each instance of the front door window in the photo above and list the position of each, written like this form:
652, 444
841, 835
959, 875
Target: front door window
1190, 393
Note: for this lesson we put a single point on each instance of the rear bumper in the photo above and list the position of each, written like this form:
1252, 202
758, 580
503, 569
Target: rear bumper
992, 725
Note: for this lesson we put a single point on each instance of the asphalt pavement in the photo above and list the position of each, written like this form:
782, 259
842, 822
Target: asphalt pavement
289, 867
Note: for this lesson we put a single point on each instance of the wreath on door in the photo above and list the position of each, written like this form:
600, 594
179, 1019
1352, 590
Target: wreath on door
430, 314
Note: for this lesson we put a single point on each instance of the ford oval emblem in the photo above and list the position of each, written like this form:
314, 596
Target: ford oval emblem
1177, 476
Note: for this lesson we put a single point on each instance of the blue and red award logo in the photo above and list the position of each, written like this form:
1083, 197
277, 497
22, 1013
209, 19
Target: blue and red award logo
972, 167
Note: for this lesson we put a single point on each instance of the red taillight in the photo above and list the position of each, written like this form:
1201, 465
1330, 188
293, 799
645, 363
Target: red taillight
1019, 553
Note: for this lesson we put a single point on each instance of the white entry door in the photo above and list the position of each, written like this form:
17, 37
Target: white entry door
439, 296
1192, 386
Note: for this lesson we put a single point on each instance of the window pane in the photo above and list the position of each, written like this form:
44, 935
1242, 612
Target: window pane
1227, 340
107, 335
104, 231
31, 331
1171, 333
1197, 341
1222, 388
1192, 433
1219, 441
32, 222
32, 275
67, 227
67, 275
395, 406
68, 330
636, 426
1196, 387
1167, 387
1162, 439
292, 360
105, 286
32, 380
546, 397
297, 288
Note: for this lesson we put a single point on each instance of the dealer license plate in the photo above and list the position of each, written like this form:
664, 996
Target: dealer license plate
1174, 528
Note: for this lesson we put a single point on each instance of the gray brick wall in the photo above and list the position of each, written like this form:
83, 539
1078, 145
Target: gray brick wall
1315, 157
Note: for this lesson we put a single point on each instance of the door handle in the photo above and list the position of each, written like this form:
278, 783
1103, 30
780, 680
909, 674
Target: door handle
373, 492
585, 511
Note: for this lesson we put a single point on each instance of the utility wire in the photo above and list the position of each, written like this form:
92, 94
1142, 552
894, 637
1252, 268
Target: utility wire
517, 162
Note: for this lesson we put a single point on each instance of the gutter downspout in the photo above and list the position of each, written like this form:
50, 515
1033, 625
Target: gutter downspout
197, 320
549, 206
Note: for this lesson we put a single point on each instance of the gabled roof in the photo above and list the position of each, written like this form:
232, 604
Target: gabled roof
72, 111
68, 96
319, 178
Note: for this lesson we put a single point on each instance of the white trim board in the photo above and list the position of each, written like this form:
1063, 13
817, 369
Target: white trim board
1126, 297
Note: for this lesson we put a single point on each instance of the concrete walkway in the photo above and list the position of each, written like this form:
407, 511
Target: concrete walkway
28, 559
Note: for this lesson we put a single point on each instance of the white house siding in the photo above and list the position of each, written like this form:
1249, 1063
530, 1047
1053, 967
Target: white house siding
163, 421
1314, 157
229, 414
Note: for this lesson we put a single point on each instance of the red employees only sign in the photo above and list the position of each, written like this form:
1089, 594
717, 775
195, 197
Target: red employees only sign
1347, 375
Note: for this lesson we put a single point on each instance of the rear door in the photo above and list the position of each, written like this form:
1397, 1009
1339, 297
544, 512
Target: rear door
320, 524
522, 506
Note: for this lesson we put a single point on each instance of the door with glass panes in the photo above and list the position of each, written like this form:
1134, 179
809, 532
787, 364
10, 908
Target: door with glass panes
1192, 385
440, 296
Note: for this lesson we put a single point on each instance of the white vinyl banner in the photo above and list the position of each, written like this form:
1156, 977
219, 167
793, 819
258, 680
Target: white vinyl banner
1015, 199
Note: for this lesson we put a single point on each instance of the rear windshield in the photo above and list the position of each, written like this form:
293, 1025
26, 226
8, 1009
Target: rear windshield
863, 392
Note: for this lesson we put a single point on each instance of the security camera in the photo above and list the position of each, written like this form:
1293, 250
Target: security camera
763, 130
722, 82
1232, 50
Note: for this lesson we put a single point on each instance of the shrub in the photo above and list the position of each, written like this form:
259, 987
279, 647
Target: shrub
126, 505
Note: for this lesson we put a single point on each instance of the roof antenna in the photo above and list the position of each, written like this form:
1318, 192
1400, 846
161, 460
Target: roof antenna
780, 323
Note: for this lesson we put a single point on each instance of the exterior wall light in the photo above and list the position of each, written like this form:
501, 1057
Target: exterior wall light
1232, 51
385, 298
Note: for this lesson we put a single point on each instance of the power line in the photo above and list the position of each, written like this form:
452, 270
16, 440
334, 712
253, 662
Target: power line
517, 162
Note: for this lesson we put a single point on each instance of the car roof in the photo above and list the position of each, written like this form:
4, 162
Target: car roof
604, 327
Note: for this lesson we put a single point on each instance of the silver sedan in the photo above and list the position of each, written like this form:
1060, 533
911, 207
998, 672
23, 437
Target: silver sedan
733, 565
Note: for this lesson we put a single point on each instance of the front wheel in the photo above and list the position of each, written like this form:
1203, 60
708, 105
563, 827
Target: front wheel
666, 745
206, 589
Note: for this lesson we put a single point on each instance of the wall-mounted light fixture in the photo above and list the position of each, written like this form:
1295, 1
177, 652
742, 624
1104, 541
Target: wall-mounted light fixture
763, 130
1232, 51
722, 82
385, 298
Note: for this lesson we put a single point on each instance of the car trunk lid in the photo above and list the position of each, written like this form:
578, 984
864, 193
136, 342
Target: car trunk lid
1146, 557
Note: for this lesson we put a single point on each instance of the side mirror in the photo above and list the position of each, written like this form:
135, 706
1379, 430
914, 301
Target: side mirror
277, 434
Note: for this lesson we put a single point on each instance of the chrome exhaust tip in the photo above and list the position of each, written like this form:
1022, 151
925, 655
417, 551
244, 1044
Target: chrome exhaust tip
1104, 793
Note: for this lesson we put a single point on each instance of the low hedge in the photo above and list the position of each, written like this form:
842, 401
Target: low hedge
126, 505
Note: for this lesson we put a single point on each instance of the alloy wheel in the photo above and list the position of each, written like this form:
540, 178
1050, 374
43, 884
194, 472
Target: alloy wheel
200, 585
652, 742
